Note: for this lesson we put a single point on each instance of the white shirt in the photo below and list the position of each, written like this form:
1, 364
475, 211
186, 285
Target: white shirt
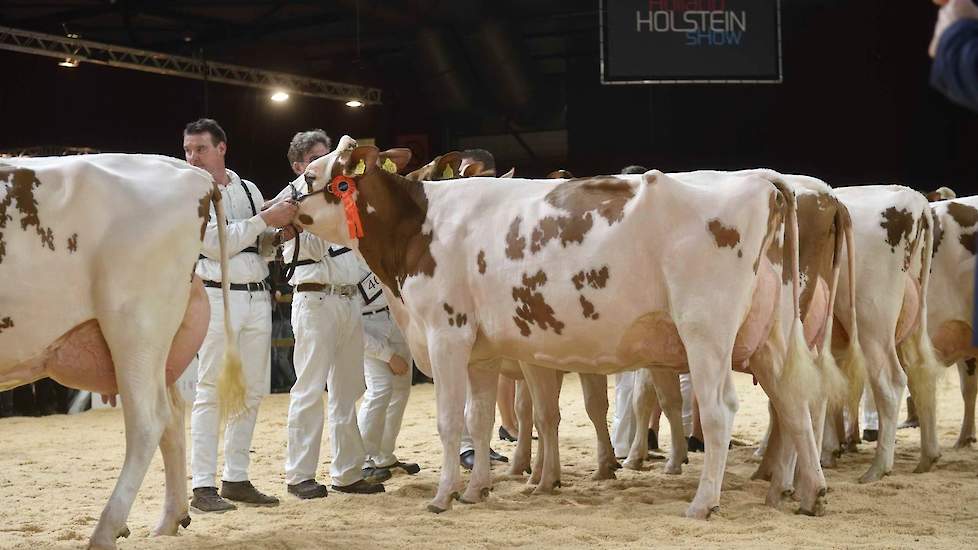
334, 264
379, 328
244, 229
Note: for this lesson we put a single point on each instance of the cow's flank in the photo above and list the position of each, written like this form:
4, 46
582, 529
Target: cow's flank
723, 236
515, 243
6, 323
580, 198
19, 185
532, 308
481, 262
898, 224
964, 214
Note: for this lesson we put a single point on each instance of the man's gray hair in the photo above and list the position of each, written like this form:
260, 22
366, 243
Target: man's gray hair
302, 142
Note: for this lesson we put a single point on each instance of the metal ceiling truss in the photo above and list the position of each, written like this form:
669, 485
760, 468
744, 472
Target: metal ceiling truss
173, 65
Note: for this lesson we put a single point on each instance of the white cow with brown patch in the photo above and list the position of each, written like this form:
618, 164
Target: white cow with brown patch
96, 257
479, 269
950, 298
894, 234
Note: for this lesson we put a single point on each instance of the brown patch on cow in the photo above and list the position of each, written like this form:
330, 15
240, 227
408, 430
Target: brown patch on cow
898, 225
480, 261
461, 319
816, 242
964, 215
532, 308
912, 243
774, 204
938, 231
515, 243
595, 278
73, 243
305, 219
971, 366
588, 308
968, 242
448, 309
580, 198
6, 323
19, 184
204, 213
724, 236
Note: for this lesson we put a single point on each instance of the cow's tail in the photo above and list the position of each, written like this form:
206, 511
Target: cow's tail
853, 367
916, 351
230, 384
798, 374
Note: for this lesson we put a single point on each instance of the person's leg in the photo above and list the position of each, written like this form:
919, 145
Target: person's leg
506, 402
400, 392
346, 385
623, 422
372, 416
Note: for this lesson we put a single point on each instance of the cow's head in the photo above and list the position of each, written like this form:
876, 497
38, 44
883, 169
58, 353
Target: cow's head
331, 183
444, 167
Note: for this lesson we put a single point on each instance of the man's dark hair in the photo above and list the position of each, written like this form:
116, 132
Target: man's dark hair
302, 142
481, 155
634, 169
206, 125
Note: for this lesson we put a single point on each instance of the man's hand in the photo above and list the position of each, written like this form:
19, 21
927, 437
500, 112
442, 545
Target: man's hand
287, 233
281, 214
951, 12
398, 365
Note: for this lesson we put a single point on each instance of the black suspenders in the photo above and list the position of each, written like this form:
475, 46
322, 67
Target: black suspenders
251, 202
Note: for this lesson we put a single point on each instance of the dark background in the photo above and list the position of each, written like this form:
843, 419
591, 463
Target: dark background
520, 78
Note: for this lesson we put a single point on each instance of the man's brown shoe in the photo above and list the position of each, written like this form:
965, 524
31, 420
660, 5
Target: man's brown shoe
308, 489
361, 487
244, 491
206, 499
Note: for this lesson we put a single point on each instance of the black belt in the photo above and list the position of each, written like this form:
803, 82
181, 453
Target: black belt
253, 249
252, 287
385, 308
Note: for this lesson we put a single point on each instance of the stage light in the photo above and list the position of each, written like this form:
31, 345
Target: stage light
354, 103
279, 96
69, 62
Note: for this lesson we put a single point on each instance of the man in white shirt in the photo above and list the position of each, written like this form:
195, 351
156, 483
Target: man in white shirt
328, 352
249, 234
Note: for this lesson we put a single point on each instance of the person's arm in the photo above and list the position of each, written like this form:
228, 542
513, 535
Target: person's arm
240, 235
376, 346
955, 69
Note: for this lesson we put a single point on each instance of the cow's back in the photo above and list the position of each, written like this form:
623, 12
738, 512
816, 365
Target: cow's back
82, 236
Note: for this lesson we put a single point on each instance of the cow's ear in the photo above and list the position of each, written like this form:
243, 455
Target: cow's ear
472, 168
447, 166
421, 173
394, 160
363, 159
511, 173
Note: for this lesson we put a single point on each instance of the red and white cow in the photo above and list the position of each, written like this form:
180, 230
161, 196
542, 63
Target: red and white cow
950, 298
893, 230
96, 257
481, 268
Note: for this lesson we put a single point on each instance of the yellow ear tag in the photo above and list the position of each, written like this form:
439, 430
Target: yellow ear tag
448, 173
360, 169
389, 166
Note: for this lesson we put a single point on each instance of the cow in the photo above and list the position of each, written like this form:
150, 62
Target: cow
950, 298
97, 254
478, 269
894, 233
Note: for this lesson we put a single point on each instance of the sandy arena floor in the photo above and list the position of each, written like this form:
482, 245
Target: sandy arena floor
57, 472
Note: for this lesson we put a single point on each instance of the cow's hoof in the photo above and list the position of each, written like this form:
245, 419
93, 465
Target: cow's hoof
185, 522
872, 475
965, 442
926, 464
603, 474
481, 495
616, 465
701, 513
675, 467
633, 465
762, 474
829, 461
123, 533
818, 508
436, 507
851, 446
777, 499
516, 470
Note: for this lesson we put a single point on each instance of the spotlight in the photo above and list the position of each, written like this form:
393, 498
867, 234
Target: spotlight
279, 96
69, 62
354, 103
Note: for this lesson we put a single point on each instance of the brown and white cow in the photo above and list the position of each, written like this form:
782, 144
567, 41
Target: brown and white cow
479, 269
894, 234
96, 257
950, 298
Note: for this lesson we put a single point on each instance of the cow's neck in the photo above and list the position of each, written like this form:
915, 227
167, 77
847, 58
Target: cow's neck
392, 210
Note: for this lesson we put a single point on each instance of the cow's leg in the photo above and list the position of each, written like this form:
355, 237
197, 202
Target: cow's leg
544, 384
520, 461
670, 397
714, 388
480, 417
762, 446
173, 447
887, 380
449, 365
831, 439
969, 390
771, 444
139, 355
643, 400
595, 389
922, 381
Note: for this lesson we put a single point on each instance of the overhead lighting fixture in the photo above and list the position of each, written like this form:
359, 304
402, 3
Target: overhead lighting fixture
69, 62
279, 96
354, 103
73, 35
